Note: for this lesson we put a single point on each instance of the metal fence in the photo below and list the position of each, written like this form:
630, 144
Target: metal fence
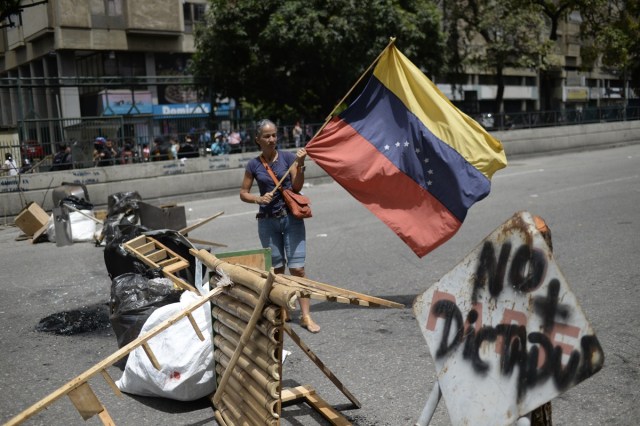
527, 120
36, 141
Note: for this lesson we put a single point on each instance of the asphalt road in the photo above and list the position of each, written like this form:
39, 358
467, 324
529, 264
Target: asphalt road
590, 200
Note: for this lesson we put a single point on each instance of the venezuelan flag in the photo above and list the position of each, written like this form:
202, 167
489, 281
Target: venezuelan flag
408, 154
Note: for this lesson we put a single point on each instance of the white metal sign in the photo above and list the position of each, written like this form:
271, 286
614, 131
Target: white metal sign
504, 330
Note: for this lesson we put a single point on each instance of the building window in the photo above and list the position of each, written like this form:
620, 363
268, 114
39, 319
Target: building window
113, 7
512, 80
106, 7
193, 13
106, 14
487, 80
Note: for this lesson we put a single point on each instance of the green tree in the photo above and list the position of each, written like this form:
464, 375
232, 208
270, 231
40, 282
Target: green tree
613, 29
496, 35
298, 58
554, 12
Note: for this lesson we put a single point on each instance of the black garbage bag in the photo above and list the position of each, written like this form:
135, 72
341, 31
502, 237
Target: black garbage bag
117, 228
119, 261
122, 213
76, 203
123, 202
134, 297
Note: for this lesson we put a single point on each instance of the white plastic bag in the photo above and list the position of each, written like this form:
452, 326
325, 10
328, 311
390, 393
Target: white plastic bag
82, 227
187, 366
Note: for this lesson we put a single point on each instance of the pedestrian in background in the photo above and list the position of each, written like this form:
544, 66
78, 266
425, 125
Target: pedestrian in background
10, 165
278, 229
175, 147
146, 152
297, 134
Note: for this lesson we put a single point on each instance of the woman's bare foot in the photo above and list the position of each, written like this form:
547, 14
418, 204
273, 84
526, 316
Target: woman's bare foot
309, 324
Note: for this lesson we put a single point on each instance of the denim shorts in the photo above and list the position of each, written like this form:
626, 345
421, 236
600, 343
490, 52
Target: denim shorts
286, 238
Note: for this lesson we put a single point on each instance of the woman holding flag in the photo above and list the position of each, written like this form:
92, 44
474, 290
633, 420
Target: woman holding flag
278, 229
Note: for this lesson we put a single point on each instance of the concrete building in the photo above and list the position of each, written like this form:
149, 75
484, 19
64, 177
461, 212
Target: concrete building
569, 89
59, 50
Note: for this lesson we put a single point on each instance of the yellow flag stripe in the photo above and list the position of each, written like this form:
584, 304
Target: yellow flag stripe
438, 114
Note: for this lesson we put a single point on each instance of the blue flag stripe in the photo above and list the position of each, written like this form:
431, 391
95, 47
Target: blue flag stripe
381, 118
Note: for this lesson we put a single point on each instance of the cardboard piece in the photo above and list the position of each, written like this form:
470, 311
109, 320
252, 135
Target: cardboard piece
31, 219
163, 217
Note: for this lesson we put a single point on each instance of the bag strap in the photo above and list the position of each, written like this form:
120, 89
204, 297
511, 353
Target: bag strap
273, 175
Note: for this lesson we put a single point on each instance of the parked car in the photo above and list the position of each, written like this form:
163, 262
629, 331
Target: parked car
31, 150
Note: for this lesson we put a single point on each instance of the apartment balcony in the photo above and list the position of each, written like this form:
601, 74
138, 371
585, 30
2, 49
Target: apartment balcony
488, 92
84, 26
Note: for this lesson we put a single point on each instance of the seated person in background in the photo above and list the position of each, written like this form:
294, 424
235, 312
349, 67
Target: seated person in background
104, 153
220, 146
126, 155
62, 160
188, 149
110, 154
160, 150
146, 152
98, 149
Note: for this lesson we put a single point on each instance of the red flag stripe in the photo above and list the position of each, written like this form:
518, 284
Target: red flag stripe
419, 219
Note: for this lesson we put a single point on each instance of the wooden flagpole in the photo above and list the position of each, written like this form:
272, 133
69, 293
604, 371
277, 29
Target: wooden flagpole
392, 40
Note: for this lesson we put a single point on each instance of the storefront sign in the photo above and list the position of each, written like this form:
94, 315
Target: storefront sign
125, 102
182, 109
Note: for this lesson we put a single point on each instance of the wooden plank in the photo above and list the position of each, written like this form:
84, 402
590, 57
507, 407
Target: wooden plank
85, 401
309, 395
137, 241
255, 260
190, 228
295, 394
167, 261
333, 298
260, 259
106, 418
373, 301
180, 283
326, 410
157, 256
151, 356
176, 266
318, 362
194, 324
205, 242
325, 292
111, 383
146, 248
